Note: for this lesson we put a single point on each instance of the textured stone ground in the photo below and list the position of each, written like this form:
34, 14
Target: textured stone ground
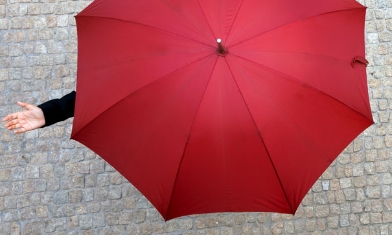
52, 185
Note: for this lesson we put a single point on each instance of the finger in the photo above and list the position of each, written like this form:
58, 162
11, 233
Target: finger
11, 122
24, 105
20, 130
10, 126
10, 117
13, 126
17, 125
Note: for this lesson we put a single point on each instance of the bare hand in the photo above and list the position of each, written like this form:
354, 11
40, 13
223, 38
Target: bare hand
29, 119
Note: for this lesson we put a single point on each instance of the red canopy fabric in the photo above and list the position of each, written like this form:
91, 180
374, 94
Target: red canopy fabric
199, 131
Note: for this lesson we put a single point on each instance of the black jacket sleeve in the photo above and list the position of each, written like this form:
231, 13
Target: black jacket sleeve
58, 110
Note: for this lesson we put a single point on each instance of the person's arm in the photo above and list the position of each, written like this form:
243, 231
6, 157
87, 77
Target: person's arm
43, 115
58, 110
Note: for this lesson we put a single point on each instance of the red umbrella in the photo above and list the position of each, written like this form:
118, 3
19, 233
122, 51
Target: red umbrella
221, 106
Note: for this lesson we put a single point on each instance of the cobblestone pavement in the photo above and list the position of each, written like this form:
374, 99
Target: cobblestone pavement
52, 185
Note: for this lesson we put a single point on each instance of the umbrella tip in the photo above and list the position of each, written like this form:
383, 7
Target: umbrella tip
221, 50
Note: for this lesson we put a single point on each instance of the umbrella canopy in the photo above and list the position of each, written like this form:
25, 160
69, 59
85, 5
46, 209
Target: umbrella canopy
221, 105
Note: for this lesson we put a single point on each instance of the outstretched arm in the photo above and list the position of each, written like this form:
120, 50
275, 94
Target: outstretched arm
29, 119
43, 115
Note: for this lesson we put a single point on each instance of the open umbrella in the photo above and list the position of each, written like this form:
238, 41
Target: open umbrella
221, 105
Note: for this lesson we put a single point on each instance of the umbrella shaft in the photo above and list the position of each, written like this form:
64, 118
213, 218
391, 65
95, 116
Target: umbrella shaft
222, 51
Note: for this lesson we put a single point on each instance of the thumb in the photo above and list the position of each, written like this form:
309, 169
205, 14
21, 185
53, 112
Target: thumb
25, 105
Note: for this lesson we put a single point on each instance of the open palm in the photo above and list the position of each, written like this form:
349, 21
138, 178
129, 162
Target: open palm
29, 119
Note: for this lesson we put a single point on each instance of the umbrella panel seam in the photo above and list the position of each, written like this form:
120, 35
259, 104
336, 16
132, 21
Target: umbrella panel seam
262, 140
159, 29
302, 83
149, 84
186, 145
294, 22
205, 17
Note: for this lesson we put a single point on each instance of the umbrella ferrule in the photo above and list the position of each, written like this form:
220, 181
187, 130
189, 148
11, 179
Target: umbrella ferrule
221, 50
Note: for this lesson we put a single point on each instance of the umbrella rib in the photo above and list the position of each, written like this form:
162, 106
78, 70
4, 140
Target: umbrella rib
192, 22
205, 17
231, 27
154, 27
293, 22
297, 52
187, 141
303, 83
297, 126
262, 140
235, 17
146, 85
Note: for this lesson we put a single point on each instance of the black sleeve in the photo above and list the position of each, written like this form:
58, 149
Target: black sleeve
58, 110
